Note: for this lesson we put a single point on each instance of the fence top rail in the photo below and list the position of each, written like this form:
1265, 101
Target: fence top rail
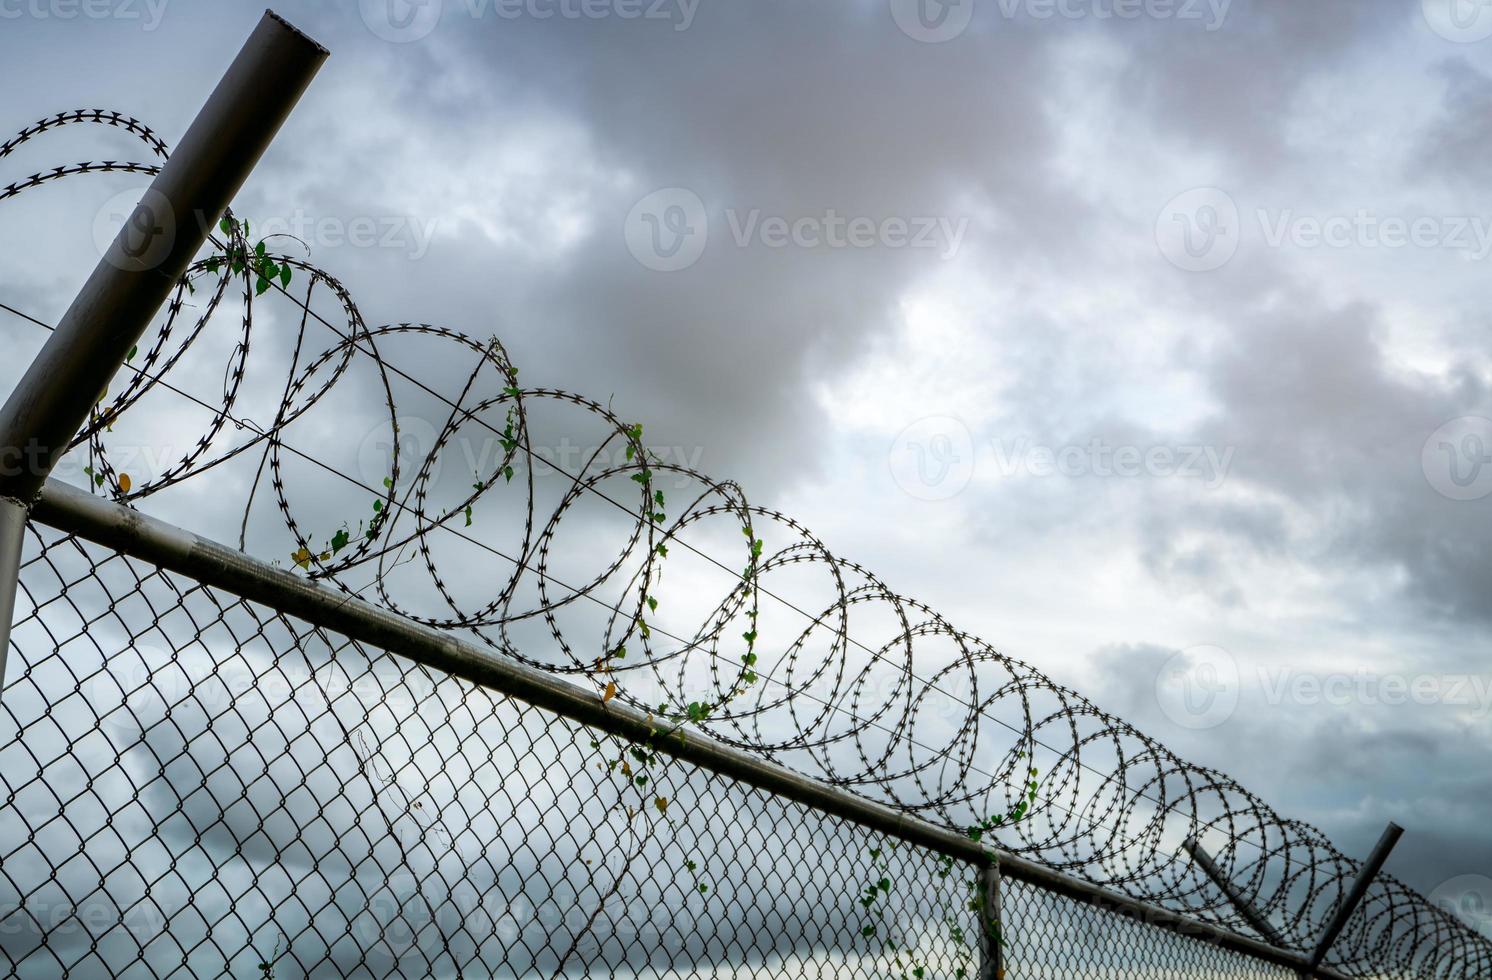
136, 535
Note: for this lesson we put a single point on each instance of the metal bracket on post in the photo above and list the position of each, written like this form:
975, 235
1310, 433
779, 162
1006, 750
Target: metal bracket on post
137, 273
1245, 908
991, 924
1354, 897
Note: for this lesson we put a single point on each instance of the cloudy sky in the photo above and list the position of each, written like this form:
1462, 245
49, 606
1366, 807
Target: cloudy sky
1145, 340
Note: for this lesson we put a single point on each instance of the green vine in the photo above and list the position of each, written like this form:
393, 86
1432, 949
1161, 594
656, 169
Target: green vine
878, 890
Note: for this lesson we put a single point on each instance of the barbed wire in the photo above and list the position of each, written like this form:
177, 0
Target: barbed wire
951, 745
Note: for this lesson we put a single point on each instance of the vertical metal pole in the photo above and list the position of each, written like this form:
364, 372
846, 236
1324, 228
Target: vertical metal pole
1365, 876
1245, 908
991, 925
137, 273
12, 535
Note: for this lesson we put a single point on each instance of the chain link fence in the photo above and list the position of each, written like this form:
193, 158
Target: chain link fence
197, 785
221, 770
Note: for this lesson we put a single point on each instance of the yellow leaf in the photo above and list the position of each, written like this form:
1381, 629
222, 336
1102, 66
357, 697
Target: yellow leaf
626, 770
124, 482
610, 692
301, 558
662, 804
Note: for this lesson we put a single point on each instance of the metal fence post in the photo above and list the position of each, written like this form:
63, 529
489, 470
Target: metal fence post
145, 262
1245, 908
1354, 896
12, 535
991, 925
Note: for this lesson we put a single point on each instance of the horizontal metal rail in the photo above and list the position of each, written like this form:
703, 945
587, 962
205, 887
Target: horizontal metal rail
147, 539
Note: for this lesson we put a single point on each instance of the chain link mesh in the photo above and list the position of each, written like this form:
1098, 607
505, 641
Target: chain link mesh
1053, 937
198, 786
